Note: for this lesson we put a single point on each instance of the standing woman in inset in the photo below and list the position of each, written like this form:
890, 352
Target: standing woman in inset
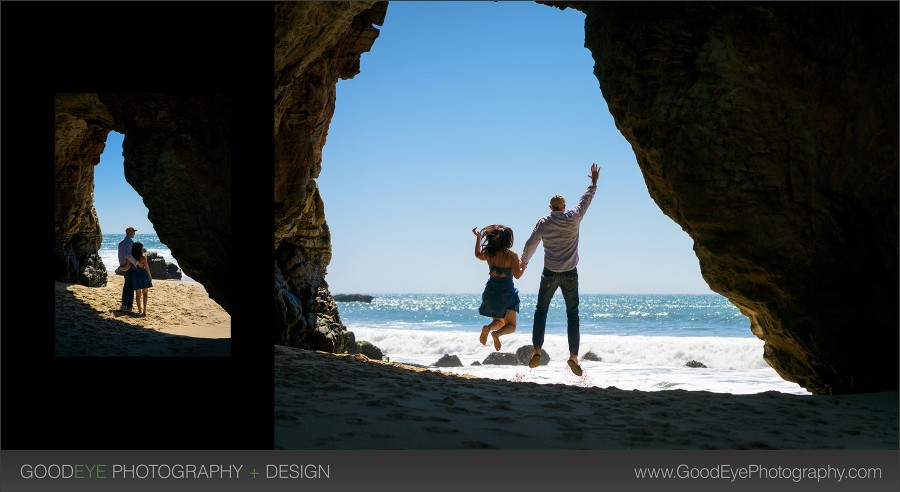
140, 278
500, 299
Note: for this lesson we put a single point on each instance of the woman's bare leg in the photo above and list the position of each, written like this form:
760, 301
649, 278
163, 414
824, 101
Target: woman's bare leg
496, 324
137, 300
146, 293
509, 326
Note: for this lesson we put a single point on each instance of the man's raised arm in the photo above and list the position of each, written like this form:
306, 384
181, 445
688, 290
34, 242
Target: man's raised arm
585, 200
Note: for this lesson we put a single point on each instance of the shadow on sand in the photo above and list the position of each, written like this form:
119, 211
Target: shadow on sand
80, 332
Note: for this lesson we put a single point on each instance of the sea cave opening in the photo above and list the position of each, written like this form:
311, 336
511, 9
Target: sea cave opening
119, 206
464, 116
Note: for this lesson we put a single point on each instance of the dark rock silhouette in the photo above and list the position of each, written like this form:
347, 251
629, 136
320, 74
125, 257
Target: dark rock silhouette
501, 359
448, 361
159, 268
352, 347
173, 271
353, 298
370, 351
525, 352
590, 356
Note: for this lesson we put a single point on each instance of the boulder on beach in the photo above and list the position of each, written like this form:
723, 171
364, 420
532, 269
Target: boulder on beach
362, 347
174, 271
524, 355
159, 268
352, 346
448, 361
370, 351
693, 363
590, 356
502, 359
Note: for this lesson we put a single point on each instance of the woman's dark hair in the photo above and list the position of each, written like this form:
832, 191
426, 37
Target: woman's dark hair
496, 238
137, 251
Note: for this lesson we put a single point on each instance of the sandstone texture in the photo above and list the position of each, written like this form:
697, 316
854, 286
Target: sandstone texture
82, 123
177, 155
769, 133
316, 43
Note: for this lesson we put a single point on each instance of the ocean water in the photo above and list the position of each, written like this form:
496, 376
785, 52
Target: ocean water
109, 251
643, 341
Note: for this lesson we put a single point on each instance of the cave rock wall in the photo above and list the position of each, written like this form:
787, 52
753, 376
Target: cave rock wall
82, 123
769, 132
316, 43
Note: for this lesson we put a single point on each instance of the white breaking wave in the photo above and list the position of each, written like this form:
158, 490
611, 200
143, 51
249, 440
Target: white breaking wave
645, 363
111, 257
661, 351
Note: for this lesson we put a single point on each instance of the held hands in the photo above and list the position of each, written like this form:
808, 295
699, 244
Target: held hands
595, 173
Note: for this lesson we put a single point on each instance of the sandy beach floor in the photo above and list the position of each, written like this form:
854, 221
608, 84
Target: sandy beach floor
328, 401
181, 321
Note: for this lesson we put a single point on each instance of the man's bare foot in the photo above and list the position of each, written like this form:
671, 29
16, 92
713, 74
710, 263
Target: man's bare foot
496, 341
484, 334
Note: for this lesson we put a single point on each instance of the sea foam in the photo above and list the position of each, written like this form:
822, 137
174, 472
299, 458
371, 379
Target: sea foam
646, 363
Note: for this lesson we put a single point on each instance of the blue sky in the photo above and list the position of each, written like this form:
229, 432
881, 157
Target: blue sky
118, 205
472, 113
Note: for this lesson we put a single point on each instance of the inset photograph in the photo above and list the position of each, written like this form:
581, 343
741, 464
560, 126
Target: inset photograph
142, 225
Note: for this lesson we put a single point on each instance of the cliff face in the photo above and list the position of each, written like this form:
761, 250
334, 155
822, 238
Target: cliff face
177, 156
315, 44
82, 123
769, 132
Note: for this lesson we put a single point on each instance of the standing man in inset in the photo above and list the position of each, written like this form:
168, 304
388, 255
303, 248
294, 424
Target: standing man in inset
559, 231
125, 246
